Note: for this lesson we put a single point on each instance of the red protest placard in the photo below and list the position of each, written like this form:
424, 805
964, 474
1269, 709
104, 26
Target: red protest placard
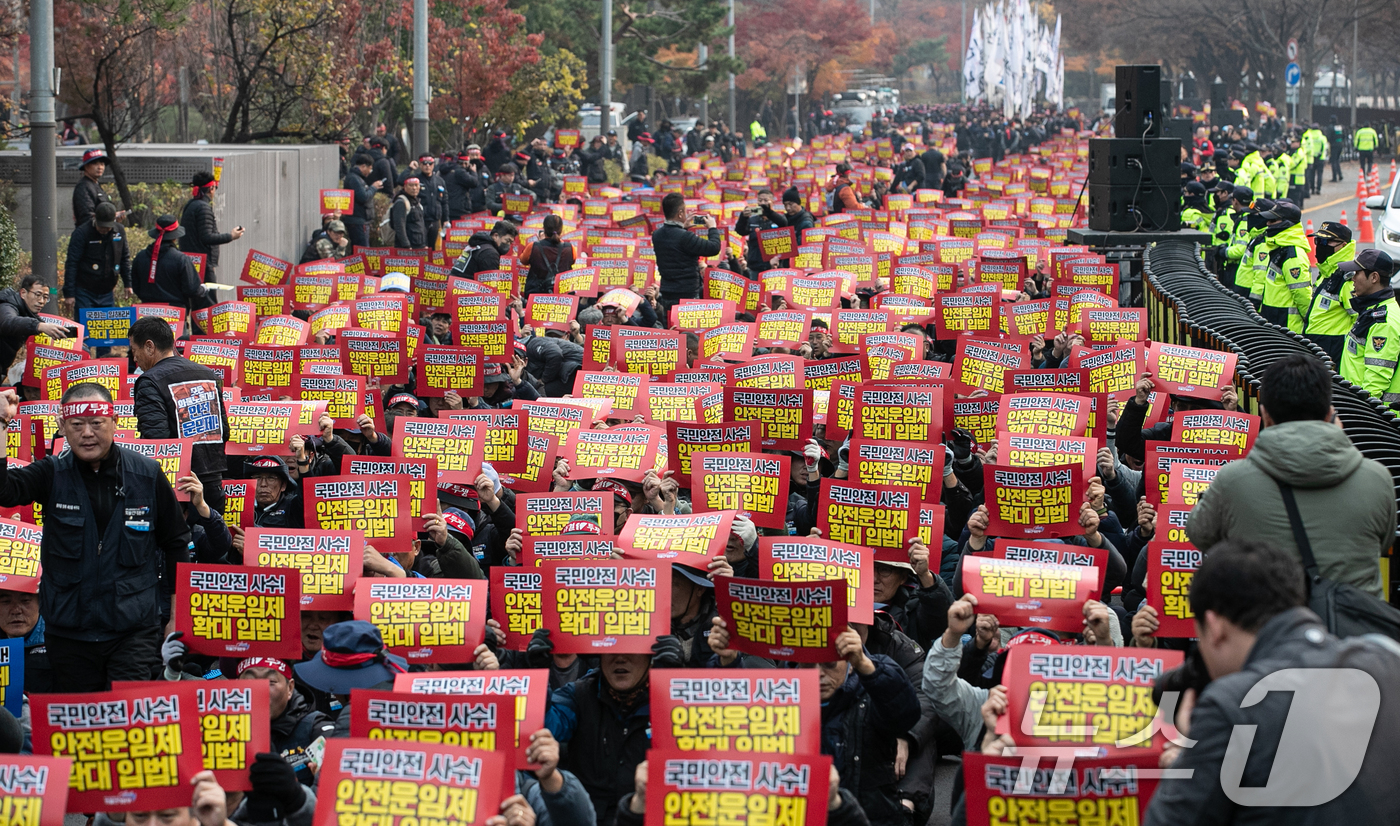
1023, 450
783, 328
379, 508
820, 294
1114, 370
691, 539
1051, 694
506, 432
19, 556
1043, 414
173, 456
731, 286
329, 561
754, 484
907, 464
536, 475
1187, 483
1119, 788
344, 396
485, 722
878, 516
36, 788
552, 514
269, 301
982, 365
261, 268
496, 339
733, 341
673, 402
779, 712
239, 501
1045, 381
266, 428
1216, 427
441, 368
544, 311
791, 621
808, 559
767, 373
685, 441
821, 375
41, 357
624, 390
457, 445
1170, 568
422, 473
1024, 593
606, 607
530, 685
1033, 503
341, 201
282, 330
429, 778
515, 604
1104, 327
652, 353
239, 611
425, 620
785, 415
696, 790
233, 720
702, 314
558, 417
578, 281
269, 365
133, 749
110, 373
614, 454
537, 550
960, 313
1028, 318
382, 360
779, 242
1189, 371
312, 291
1160, 457
386, 312
906, 414
1056, 553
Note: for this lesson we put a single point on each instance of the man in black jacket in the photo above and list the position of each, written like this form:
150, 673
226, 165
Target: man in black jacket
432, 195
909, 174
484, 250
171, 279
97, 259
295, 721
277, 501
462, 180
178, 399
751, 220
678, 251
406, 217
797, 217
358, 219
113, 536
591, 160
505, 184
88, 192
19, 318
203, 234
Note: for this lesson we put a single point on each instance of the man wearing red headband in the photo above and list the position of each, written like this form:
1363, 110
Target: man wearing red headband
113, 534
198, 217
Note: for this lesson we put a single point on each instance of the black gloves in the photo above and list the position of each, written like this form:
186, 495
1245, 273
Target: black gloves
961, 445
667, 652
540, 652
276, 791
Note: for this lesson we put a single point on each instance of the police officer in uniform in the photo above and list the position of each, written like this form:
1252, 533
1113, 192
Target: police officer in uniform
1287, 272
1373, 343
113, 534
1330, 315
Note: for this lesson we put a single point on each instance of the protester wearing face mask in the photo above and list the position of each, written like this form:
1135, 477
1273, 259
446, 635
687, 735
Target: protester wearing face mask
1373, 342
1330, 314
484, 250
1287, 274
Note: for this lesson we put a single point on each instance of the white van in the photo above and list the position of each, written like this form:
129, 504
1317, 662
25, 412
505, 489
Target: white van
1387, 206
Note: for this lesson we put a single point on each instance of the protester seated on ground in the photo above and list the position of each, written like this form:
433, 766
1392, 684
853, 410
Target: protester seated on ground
329, 244
276, 798
296, 723
20, 620
842, 808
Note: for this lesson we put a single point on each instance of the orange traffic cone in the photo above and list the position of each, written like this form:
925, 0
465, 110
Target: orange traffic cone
1312, 254
1360, 185
1392, 170
1368, 232
1310, 227
1375, 181
1344, 218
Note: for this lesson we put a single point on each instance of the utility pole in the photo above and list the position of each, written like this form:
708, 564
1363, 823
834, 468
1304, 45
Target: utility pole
733, 116
1351, 70
44, 169
420, 78
962, 62
703, 56
605, 58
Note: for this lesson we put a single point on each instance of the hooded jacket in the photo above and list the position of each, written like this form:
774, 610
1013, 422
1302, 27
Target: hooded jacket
860, 724
1288, 279
1293, 639
1330, 313
1346, 501
481, 255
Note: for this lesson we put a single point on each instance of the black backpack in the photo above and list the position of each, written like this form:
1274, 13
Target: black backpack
1346, 610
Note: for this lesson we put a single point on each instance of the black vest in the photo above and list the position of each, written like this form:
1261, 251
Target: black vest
605, 749
101, 582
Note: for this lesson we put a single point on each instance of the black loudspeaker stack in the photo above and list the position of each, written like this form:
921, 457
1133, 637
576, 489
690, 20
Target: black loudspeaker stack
1135, 178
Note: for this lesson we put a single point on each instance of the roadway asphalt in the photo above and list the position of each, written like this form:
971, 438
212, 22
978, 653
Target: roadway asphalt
1341, 196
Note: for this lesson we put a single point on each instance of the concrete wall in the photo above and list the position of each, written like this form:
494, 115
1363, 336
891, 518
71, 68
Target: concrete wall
269, 190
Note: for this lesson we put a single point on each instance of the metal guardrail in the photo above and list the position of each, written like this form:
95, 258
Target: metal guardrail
1187, 305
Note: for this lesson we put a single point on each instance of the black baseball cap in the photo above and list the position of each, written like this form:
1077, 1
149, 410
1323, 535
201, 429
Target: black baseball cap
1333, 231
1369, 261
1283, 211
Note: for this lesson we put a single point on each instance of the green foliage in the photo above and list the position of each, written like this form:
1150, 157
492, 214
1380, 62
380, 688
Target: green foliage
149, 201
9, 248
542, 94
921, 53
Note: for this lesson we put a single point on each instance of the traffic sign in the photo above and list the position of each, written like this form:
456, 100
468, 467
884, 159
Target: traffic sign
1292, 49
1292, 75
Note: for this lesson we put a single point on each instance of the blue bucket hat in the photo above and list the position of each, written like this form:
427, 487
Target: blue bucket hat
352, 656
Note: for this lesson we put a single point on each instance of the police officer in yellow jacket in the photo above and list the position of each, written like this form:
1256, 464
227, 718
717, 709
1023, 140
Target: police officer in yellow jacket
1287, 272
1316, 145
1222, 229
1254, 264
1373, 343
1330, 315
1194, 213
1365, 141
1254, 172
1297, 171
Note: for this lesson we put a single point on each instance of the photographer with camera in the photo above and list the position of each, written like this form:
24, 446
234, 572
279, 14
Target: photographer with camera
678, 250
755, 218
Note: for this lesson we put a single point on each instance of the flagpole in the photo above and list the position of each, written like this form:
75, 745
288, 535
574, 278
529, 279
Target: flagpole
962, 47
